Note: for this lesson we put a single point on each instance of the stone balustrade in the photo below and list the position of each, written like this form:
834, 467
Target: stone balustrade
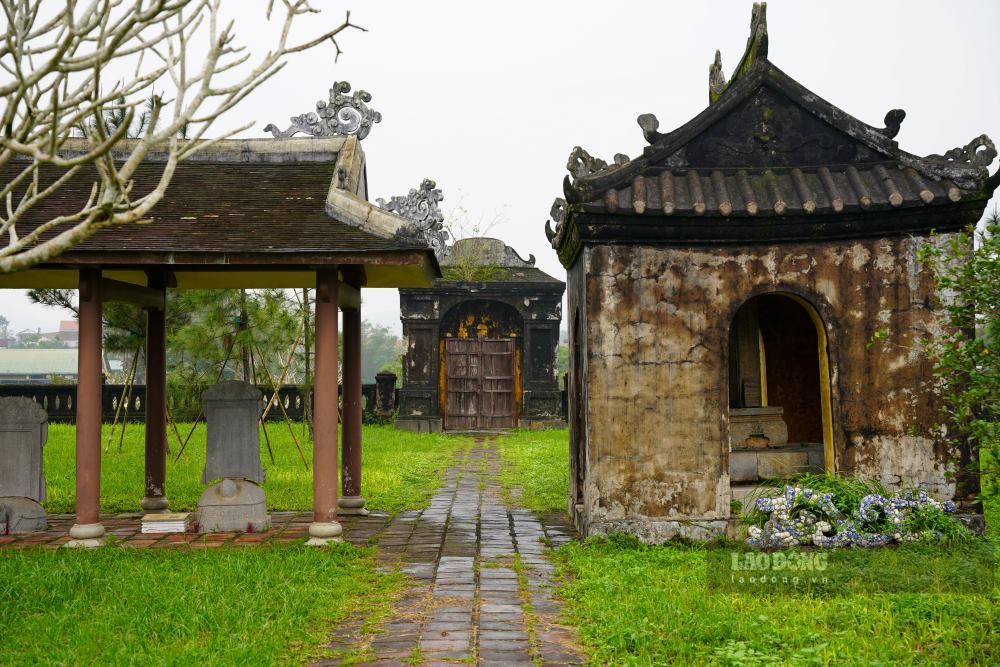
379, 399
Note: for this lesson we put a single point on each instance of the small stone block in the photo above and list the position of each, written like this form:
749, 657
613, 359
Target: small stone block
742, 466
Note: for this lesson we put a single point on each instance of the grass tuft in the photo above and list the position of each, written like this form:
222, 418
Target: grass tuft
400, 470
535, 469
636, 604
265, 605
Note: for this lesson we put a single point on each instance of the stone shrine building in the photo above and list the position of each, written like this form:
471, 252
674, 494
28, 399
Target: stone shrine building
481, 343
746, 303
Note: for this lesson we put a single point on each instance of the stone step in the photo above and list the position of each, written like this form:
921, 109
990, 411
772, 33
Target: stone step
753, 465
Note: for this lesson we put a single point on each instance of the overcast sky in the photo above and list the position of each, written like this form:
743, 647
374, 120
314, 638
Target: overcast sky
488, 99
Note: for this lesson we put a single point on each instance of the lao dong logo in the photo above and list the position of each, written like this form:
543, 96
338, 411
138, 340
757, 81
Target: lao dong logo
778, 568
779, 561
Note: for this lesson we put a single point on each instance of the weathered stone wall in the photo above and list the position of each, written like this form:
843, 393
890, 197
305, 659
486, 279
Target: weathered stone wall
657, 327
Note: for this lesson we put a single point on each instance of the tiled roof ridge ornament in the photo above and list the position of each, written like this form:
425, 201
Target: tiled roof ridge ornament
557, 213
582, 164
716, 78
343, 115
421, 207
893, 120
756, 50
979, 152
650, 124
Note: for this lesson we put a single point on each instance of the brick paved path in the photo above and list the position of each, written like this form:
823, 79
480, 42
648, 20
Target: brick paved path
481, 586
125, 529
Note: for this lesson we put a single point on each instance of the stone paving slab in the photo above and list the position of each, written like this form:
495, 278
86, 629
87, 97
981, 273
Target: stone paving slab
475, 566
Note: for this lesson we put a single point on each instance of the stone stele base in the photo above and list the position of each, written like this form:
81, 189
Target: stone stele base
21, 515
322, 534
86, 536
351, 505
233, 505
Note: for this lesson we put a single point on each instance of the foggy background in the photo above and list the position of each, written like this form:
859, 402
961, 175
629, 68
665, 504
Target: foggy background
488, 99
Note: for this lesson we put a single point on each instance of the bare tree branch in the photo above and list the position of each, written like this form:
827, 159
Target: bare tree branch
58, 116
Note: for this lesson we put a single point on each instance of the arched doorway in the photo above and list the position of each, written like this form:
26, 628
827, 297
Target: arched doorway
480, 382
780, 417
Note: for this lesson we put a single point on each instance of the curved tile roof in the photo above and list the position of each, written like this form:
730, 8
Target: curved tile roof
768, 149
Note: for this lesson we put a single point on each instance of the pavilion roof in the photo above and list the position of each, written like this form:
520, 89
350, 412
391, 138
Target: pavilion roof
769, 160
278, 207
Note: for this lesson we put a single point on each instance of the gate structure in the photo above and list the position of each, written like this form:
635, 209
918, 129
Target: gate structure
481, 343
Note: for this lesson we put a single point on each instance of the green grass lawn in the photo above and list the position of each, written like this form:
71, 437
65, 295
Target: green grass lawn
535, 470
232, 606
273, 604
400, 470
650, 605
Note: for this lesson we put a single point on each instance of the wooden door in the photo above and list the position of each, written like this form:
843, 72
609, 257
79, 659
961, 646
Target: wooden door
496, 405
479, 383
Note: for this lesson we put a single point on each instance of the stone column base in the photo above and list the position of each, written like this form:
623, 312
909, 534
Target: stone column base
86, 536
154, 503
322, 534
351, 505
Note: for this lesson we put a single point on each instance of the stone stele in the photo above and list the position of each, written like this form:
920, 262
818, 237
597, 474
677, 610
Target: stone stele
23, 432
236, 503
232, 410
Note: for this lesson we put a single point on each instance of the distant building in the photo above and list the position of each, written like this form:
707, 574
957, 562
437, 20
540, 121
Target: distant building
27, 335
69, 333
31, 366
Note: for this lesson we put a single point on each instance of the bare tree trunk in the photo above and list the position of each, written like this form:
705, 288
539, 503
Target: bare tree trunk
307, 344
244, 348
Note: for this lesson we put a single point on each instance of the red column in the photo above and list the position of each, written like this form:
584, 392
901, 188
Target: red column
352, 502
88, 531
156, 409
325, 527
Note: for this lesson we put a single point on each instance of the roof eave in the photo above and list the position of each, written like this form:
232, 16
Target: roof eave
601, 227
763, 71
